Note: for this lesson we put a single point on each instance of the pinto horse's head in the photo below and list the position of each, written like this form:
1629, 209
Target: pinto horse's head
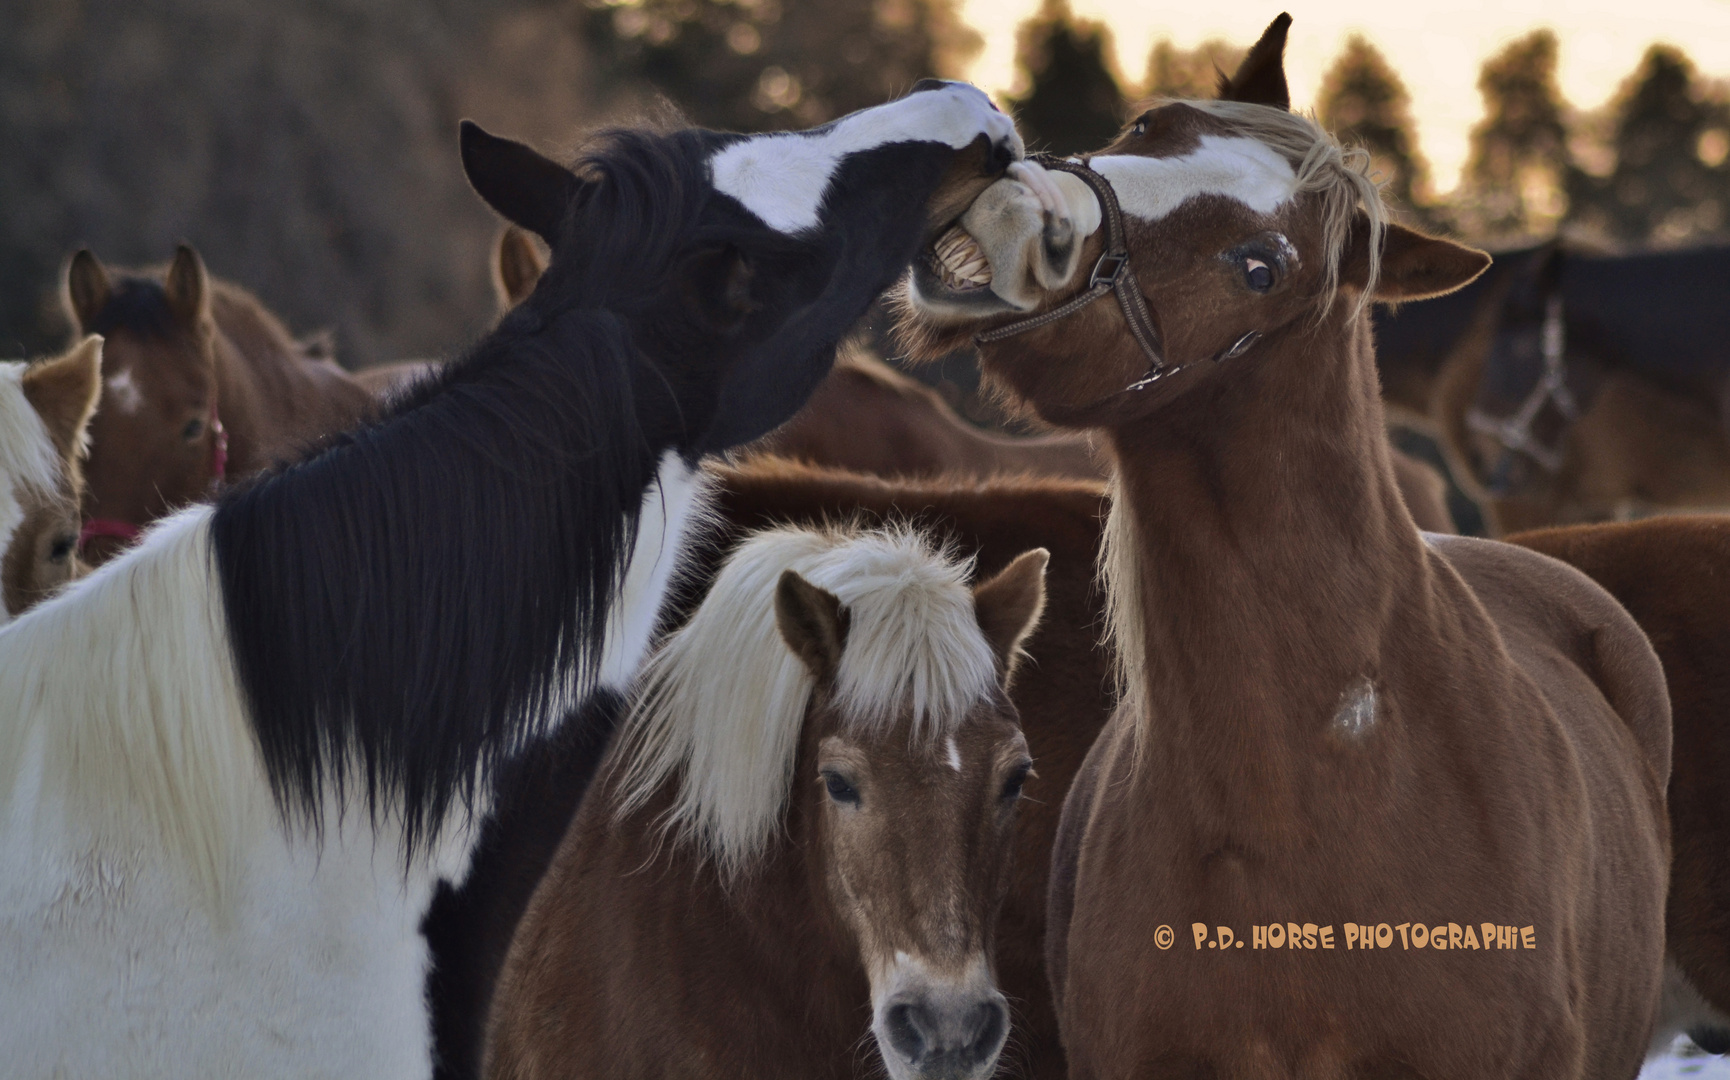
1241, 220
736, 263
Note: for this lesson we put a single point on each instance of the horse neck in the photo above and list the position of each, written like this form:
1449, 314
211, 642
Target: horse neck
1257, 550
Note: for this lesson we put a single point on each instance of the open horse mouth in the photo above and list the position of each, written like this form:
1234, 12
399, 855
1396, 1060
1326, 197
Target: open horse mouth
957, 261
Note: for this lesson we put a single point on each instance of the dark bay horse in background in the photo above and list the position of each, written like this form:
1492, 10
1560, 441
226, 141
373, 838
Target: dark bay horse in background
309, 685
45, 406
200, 383
1327, 718
809, 813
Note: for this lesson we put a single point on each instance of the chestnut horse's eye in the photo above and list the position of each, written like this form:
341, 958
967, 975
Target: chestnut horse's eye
1140, 127
61, 549
1016, 780
192, 430
1258, 275
839, 789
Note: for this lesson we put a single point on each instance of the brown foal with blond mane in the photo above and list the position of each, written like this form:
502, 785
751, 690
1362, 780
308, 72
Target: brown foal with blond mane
200, 382
806, 820
1327, 721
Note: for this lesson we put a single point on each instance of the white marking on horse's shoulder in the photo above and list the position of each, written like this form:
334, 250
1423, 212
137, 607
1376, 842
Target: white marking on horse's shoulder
1236, 166
126, 395
782, 176
1356, 714
954, 754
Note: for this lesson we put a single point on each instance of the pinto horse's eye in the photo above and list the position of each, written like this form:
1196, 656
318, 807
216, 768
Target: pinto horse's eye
1258, 275
61, 549
1016, 780
839, 789
192, 430
1139, 127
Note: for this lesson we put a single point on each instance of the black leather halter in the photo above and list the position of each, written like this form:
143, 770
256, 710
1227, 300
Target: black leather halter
1111, 274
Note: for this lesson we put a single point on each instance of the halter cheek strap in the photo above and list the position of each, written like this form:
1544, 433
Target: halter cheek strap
127, 531
1111, 274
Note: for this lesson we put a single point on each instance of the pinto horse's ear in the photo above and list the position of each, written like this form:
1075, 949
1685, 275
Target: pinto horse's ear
812, 623
1260, 79
87, 289
187, 287
1414, 266
63, 391
717, 284
517, 268
523, 186
1009, 605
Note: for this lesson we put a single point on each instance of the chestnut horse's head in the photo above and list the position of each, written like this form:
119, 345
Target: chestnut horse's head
44, 407
156, 442
848, 689
1241, 221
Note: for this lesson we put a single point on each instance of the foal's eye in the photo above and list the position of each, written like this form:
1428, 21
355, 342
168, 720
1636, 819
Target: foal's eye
1016, 780
192, 430
1139, 128
61, 549
1258, 275
839, 789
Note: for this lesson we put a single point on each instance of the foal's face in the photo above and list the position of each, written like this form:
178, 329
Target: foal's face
738, 262
913, 841
152, 446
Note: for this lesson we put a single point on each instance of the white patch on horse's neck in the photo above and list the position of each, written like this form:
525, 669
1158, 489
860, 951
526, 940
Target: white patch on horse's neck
123, 392
954, 754
1356, 715
1235, 166
782, 177
671, 505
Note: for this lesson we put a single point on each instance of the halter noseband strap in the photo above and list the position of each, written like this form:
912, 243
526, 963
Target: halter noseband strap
1111, 274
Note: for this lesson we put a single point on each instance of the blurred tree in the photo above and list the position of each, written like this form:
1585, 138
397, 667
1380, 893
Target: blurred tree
1188, 73
1669, 142
1364, 102
749, 65
1514, 178
1072, 103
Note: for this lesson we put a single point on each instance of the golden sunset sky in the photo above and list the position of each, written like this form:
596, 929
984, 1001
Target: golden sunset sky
1436, 47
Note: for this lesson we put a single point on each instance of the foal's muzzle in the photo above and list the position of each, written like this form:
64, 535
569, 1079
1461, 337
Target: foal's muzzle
945, 1037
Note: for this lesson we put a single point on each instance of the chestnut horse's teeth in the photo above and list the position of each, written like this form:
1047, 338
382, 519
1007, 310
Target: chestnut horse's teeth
959, 262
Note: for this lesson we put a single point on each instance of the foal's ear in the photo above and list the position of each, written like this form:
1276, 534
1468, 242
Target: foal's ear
520, 184
87, 289
1009, 605
1260, 79
1414, 266
813, 624
187, 287
717, 283
64, 390
517, 268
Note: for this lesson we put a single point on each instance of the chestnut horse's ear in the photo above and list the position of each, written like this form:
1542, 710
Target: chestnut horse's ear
520, 184
813, 624
87, 289
64, 390
1260, 79
187, 287
1414, 266
1009, 605
517, 268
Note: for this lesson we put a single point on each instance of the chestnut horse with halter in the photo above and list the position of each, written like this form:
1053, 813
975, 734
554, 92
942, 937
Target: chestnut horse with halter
1329, 723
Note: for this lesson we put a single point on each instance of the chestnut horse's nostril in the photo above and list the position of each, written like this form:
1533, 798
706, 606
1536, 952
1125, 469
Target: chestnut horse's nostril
989, 1023
910, 1026
946, 1039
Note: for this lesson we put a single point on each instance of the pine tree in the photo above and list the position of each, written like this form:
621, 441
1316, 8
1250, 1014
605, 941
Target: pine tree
1188, 73
1073, 103
1514, 178
1364, 102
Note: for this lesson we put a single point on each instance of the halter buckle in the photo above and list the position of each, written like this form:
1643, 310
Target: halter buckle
1116, 260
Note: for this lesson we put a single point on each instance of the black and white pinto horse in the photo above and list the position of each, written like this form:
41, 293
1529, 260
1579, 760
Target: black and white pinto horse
235, 762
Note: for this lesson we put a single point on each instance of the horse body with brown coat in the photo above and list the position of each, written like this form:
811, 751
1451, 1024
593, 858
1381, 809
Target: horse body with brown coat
200, 382
1327, 719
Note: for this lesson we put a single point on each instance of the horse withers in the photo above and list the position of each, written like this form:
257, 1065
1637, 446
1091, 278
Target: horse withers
45, 406
220, 842
810, 807
1328, 720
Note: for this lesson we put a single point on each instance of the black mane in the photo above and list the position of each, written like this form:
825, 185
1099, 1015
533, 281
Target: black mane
418, 598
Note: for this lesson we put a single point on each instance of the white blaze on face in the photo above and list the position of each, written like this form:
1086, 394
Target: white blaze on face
1356, 714
123, 392
1235, 166
782, 177
954, 755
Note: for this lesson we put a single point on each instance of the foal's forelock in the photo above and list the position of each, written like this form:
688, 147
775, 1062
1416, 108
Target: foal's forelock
29, 462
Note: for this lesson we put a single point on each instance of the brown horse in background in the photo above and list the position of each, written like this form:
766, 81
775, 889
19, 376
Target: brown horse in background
1328, 722
810, 807
200, 383
45, 406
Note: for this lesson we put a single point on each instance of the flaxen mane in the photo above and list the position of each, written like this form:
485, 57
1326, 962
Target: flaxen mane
28, 457
724, 699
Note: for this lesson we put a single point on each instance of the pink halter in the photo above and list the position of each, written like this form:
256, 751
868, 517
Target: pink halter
126, 530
